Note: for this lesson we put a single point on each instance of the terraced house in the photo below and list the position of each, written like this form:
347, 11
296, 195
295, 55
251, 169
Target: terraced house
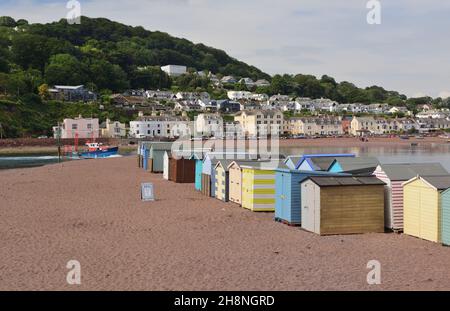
311, 126
160, 126
260, 122
379, 126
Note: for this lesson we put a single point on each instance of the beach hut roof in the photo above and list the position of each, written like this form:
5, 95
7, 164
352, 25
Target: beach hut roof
224, 163
438, 182
407, 171
294, 159
333, 181
162, 146
322, 159
321, 164
357, 164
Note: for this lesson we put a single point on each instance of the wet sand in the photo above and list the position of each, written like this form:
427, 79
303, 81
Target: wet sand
91, 211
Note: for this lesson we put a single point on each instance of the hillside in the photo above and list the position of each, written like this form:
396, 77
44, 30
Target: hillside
109, 57
106, 54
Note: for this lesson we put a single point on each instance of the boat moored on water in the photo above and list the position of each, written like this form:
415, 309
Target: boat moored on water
98, 151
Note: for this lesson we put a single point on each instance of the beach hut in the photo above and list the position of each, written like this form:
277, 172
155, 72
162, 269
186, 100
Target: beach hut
342, 205
235, 181
356, 166
182, 168
208, 169
422, 206
198, 158
167, 157
445, 207
319, 162
156, 157
394, 175
258, 185
292, 161
222, 180
288, 194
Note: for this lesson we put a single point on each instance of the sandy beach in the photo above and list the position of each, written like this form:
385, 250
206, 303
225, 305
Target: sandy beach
91, 211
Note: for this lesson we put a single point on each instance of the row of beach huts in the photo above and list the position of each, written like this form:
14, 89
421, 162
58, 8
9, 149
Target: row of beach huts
328, 194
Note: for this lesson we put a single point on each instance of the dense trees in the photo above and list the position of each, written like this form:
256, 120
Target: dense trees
108, 54
326, 87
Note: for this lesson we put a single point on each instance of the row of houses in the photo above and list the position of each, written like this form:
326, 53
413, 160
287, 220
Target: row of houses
360, 126
325, 194
246, 123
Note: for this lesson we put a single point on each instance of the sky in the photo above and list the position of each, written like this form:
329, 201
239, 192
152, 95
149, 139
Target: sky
408, 52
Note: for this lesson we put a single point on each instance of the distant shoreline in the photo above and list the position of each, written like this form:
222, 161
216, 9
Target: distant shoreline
45, 149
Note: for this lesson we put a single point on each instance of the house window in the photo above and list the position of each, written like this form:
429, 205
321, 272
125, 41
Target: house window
89, 126
74, 126
137, 132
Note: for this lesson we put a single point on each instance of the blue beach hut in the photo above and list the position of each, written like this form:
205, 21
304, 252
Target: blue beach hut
288, 194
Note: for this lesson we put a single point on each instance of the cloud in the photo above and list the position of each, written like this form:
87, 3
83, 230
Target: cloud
405, 53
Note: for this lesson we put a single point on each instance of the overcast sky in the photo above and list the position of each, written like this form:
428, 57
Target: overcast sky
409, 52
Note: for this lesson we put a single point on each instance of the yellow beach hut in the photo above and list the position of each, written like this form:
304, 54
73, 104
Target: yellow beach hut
258, 185
422, 206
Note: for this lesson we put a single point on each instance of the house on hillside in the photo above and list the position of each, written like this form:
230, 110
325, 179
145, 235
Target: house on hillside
174, 70
71, 93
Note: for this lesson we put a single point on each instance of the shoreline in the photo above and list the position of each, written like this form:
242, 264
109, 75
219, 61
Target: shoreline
319, 142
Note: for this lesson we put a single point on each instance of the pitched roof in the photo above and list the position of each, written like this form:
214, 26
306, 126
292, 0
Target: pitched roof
162, 146
294, 159
321, 164
364, 164
406, 171
326, 181
439, 182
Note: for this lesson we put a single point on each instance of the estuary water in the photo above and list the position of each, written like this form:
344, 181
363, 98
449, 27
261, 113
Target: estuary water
426, 153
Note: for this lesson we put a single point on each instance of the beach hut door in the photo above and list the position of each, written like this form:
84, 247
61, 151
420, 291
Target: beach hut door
284, 194
308, 215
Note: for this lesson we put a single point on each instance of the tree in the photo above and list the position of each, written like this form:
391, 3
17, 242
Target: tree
43, 91
150, 78
107, 76
65, 69
7, 21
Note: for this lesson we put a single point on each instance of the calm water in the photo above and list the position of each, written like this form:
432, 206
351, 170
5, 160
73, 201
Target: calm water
392, 154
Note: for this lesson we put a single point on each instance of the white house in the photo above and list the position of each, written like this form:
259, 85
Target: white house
174, 70
239, 95
193, 96
162, 126
262, 83
229, 80
248, 82
207, 124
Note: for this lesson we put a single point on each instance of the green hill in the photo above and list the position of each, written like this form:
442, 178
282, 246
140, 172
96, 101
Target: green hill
106, 55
